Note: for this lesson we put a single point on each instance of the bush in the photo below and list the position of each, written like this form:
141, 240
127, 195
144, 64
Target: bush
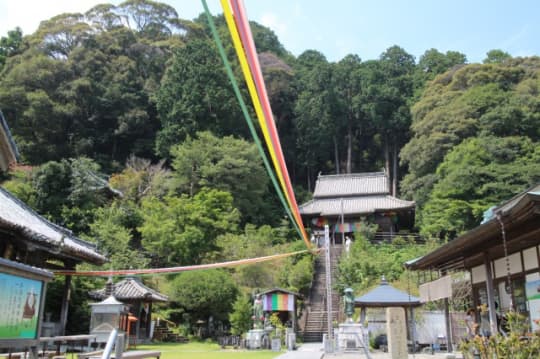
515, 345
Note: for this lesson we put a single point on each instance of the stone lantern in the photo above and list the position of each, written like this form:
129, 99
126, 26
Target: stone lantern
107, 315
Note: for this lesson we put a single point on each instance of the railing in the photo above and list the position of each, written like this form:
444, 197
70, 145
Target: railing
389, 236
159, 319
110, 344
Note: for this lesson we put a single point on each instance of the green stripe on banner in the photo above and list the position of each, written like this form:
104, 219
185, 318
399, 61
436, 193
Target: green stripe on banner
245, 112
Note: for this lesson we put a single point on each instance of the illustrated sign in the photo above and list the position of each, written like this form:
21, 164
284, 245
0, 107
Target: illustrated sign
532, 288
20, 299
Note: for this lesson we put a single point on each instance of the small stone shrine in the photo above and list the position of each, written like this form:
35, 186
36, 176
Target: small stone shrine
398, 320
140, 298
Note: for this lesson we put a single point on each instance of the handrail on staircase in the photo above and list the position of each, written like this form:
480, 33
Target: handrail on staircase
307, 306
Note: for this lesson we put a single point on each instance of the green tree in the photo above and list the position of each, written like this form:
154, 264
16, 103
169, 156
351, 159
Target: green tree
227, 164
475, 175
496, 56
195, 95
10, 45
352, 121
69, 191
472, 100
28, 96
367, 262
205, 294
315, 111
140, 178
390, 90
114, 230
433, 63
254, 242
93, 80
240, 318
183, 230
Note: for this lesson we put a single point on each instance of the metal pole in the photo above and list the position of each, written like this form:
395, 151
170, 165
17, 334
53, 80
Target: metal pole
328, 285
110, 344
342, 224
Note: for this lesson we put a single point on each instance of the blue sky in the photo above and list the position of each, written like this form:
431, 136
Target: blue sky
340, 27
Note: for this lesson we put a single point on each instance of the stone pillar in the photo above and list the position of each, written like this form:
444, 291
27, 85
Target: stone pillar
396, 330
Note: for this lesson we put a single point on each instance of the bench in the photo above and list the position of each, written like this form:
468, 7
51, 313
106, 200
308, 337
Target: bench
88, 355
140, 354
132, 354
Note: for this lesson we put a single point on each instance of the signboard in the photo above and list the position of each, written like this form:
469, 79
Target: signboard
532, 288
22, 297
20, 301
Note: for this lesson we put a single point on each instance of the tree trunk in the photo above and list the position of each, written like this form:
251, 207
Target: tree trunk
336, 155
395, 171
387, 161
308, 179
349, 149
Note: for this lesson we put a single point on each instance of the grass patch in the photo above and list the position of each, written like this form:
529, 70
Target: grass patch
202, 350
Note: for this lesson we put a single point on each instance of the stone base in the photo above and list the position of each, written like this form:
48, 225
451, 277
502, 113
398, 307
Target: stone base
254, 338
351, 336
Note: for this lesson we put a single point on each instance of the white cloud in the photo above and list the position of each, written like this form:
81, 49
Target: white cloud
271, 20
27, 14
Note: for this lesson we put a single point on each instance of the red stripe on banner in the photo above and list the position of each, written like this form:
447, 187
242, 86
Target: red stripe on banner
178, 269
249, 45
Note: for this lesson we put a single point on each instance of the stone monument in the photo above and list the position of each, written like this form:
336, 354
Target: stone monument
350, 335
348, 301
396, 330
255, 336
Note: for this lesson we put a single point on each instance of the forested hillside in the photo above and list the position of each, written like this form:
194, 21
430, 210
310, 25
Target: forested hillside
131, 136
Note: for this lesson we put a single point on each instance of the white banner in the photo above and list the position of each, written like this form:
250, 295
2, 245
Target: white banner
437, 289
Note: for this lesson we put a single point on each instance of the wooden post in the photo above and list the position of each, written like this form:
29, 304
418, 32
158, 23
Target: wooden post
448, 325
413, 330
149, 321
490, 294
66, 297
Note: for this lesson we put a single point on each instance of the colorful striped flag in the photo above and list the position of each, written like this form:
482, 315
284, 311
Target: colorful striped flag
278, 301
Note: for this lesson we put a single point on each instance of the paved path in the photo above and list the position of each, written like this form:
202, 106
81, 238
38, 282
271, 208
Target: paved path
305, 351
382, 355
315, 351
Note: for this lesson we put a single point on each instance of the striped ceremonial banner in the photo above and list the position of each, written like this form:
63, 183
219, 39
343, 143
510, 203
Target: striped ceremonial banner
278, 301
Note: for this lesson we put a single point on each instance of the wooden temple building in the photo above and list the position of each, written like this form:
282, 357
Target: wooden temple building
347, 202
139, 297
501, 256
28, 239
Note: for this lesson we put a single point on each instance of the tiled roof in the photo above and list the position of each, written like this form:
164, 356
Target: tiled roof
386, 296
276, 289
8, 150
26, 268
17, 216
353, 205
355, 184
132, 288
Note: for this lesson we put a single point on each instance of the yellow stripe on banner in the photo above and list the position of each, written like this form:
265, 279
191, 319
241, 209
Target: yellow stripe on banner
227, 12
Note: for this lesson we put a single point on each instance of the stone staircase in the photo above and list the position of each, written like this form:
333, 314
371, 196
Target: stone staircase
162, 333
316, 315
